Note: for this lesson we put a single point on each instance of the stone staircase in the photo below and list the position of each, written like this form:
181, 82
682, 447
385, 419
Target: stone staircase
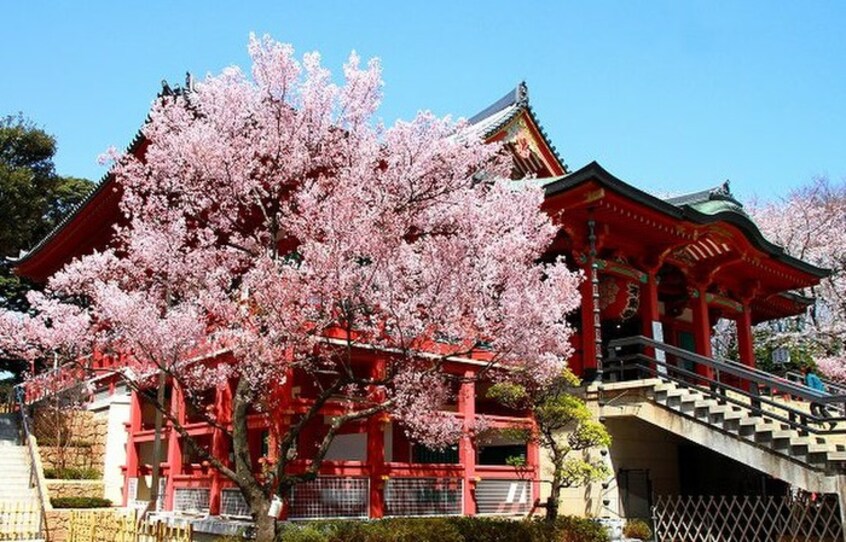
755, 426
20, 512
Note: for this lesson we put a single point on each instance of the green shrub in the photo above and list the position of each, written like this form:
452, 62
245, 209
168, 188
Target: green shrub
452, 529
72, 474
576, 529
301, 533
80, 502
637, 528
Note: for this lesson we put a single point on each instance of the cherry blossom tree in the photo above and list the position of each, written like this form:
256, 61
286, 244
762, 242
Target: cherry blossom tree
273, 217
810, 224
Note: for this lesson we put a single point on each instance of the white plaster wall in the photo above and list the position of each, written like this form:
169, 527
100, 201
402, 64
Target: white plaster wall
116, 410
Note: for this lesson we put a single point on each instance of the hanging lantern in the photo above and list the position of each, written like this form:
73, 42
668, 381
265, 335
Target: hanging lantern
619, 298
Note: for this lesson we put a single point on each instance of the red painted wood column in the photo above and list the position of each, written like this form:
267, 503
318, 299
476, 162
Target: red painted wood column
219, 442
533, 460
745, 346
649, 308
467, 444
702, 330
131, 449
589, 316
376, 447
174, 446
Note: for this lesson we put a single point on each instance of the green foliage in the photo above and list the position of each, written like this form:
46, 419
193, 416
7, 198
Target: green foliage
80, 502
577, 471
516, 461
33, 200
637, 528
565, 426
453, 529
508, 393
72, 474
784, 334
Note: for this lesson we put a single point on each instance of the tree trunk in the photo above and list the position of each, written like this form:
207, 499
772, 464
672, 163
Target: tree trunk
552, 502
253, 493
265, 526
157, 444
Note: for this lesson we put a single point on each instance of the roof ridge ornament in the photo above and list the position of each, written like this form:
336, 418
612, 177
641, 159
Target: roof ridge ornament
522, 95
722, 191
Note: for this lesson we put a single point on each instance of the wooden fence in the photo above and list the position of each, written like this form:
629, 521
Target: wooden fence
747, 519
114, 526
20, 521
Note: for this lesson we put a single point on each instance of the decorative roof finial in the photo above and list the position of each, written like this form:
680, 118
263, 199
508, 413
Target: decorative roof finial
522, 98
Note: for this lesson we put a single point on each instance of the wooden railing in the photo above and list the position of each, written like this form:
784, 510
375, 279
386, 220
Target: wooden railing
20, 520
115, 526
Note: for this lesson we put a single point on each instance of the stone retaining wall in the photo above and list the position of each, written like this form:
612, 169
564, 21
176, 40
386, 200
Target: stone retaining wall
83, 427
75, 488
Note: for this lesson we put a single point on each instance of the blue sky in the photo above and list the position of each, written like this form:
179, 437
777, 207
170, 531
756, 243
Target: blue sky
670, 96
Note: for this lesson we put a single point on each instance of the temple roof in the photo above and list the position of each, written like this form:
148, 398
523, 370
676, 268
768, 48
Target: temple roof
705, 207
492, 120
711, 201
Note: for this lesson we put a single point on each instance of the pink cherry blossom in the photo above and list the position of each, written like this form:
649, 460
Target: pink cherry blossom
275, 218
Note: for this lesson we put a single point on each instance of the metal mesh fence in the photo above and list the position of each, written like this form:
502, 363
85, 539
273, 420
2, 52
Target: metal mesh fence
191, 500
423, 496
748, 519
232, 504
331, 497
503, 497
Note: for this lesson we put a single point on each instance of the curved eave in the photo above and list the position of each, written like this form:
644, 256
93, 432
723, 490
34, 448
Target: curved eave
32, 263
595, 172
497, 116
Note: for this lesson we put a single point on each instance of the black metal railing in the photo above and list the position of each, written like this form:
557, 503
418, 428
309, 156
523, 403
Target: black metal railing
831, 387
728, 382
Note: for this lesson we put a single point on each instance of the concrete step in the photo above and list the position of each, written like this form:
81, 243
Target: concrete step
751, 426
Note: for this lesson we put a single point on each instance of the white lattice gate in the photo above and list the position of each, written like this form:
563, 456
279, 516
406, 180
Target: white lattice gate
747, 519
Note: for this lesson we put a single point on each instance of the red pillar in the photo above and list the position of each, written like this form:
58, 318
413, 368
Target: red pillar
376, 447
219, 442
745, 347
467, 445
131, 449
533, 460
376, 462
649, 309
589, 316
702, 330
174, 446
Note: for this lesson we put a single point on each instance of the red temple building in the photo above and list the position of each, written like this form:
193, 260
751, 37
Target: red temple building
666, 270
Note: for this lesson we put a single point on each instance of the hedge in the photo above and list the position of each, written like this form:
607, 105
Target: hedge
80, 502
455, 529
72, 474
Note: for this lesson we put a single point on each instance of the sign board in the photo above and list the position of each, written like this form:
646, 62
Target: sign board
781, 355
660, 355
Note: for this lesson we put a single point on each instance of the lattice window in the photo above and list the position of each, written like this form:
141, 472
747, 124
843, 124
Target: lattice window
331, 497
232, 504
423, 496
729, 519
503, 497
191, 500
